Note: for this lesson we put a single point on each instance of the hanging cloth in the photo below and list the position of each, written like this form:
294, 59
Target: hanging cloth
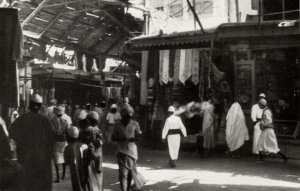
11, 41
195, 66
176, 66
164, 66
185, 70
84, 63
171, 65
201, 80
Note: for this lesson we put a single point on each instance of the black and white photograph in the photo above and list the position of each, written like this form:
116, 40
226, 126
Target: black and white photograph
149, 95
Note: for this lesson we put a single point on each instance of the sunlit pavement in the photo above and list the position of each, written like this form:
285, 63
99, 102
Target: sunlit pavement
195, 173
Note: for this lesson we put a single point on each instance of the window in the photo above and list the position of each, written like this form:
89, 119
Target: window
176, 9
280, 9
203, 7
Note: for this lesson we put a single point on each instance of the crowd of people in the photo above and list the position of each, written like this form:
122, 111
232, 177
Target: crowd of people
47, 135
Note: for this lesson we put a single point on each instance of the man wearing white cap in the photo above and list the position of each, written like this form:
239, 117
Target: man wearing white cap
33, 135
256, 115
112, 118
173, 128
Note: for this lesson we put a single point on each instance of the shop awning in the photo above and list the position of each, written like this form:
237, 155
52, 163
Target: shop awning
173, 41
254, 29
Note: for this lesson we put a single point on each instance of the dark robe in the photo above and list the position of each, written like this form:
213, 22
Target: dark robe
73, 158
33, 135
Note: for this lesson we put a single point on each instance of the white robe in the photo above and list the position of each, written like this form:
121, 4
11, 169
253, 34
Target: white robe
267, 141
236, 129
173, 122
256, 112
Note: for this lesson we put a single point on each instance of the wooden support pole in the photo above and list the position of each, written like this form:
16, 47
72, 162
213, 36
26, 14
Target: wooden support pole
195, 16
144, 84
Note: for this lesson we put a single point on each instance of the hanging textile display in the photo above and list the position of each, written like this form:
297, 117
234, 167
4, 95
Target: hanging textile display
201, 76
11, 49
176, 66
195, 66
83, 63
171, 65
164, 66
185, 69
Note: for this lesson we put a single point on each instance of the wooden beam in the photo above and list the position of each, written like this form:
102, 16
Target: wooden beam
53, 21
115, 20
60, 4
33, 13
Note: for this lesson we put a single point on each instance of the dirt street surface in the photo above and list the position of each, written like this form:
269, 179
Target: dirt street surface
203, 174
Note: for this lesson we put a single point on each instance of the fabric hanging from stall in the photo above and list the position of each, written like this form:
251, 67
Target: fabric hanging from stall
195, 66
185, 69
171, 65
201, 76
176, 66
84, 63
153, 64
164, 66
11, 40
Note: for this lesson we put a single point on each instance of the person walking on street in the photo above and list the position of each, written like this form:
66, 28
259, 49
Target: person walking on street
60, 126
173, 130
256, 115
127, 154
74, 159
93, 155
236, 128
34, 138
267, 141
112, 118
208, 126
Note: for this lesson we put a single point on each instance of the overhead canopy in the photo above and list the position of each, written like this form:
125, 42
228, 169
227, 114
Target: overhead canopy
263, 32
175, 40
99, 26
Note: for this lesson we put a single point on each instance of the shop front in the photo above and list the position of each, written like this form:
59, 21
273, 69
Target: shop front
266, 60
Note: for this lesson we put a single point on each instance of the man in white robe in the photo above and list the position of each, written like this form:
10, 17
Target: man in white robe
236, 128
256, 115
173, 128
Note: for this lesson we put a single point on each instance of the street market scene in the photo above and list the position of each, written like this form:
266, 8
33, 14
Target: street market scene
153, 95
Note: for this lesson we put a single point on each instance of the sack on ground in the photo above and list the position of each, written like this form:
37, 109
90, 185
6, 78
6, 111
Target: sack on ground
138, 180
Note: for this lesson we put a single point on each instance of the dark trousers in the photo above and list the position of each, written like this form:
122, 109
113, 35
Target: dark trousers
126, 166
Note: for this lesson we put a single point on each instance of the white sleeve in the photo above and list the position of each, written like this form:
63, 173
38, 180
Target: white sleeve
165, 129
253, 113
182, 127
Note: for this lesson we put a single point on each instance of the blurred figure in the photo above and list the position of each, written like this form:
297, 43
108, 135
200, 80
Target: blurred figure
267, 141
76, 115
256, 116
84, 111
112, 118
52, 105
60, 127
208, 127
14, 115
65, 116
74, 159
34, 151
126, 107
92, 156
236, 128
173, 130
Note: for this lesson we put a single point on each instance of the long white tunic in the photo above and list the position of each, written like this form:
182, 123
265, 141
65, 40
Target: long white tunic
173, 122
256, 113
267, 141
236, 128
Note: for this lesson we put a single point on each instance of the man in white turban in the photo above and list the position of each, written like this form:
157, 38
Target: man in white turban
256, 115
236, 128
173, 128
